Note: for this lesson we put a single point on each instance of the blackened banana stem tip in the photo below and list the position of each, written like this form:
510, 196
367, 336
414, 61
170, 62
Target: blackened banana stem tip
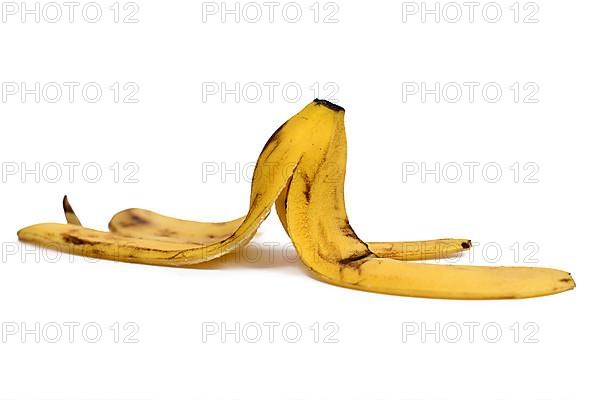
330, 105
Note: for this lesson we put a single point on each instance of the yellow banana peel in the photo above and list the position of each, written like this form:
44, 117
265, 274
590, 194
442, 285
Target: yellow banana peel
309, 201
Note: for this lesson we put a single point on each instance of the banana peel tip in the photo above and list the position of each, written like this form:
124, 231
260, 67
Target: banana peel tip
330, 105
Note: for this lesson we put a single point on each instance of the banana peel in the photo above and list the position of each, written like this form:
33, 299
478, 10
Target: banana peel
294, 174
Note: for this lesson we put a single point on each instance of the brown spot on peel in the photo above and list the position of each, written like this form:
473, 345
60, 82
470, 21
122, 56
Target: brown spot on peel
77, 241
166, 233
307, 186
139, 220
349, 261
134, 220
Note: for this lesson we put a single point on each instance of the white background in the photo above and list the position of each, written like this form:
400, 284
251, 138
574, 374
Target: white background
172, 134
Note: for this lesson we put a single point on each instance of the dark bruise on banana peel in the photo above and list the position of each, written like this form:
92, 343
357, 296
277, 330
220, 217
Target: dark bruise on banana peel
312, 212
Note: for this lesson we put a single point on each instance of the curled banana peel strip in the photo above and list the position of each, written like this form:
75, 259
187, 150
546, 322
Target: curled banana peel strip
294, 172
